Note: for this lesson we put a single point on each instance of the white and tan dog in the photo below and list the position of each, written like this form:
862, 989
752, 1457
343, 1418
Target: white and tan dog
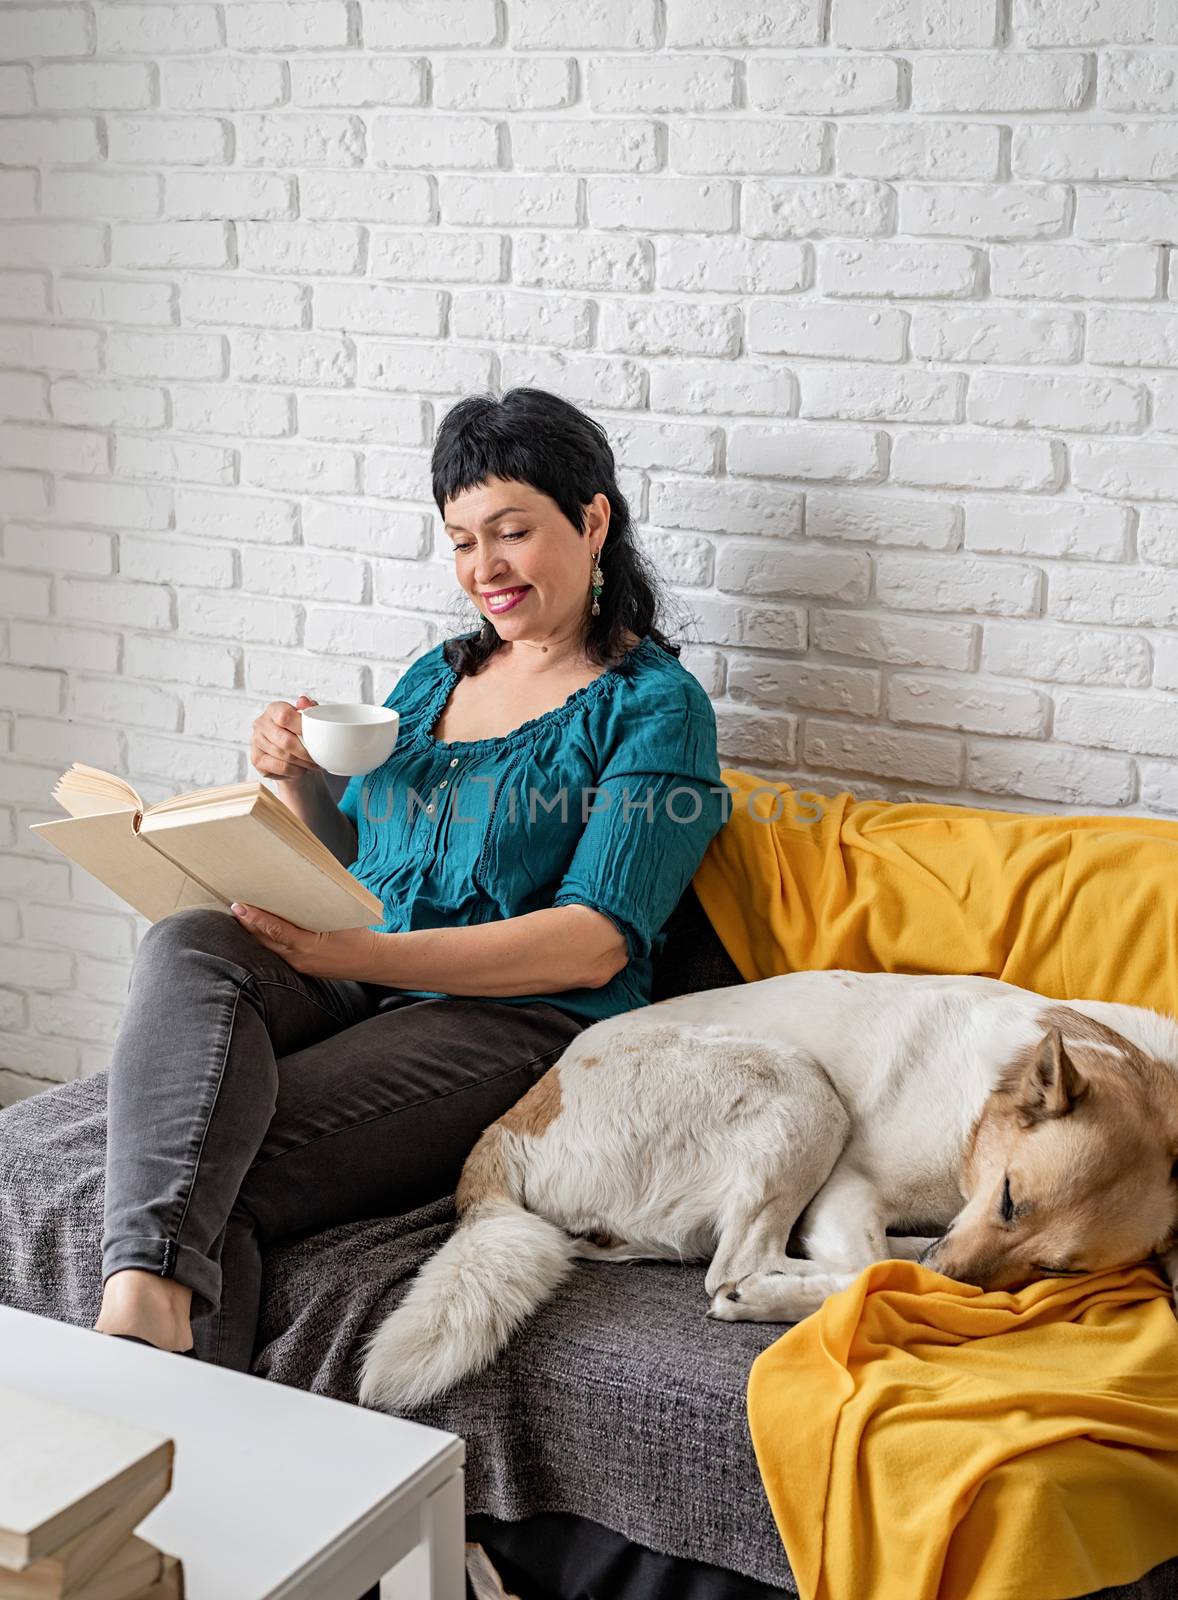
852, 1105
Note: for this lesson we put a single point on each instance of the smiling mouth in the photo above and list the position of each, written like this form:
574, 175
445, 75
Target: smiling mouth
506, 598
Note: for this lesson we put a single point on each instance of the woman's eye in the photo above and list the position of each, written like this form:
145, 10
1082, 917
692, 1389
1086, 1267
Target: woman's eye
520, 535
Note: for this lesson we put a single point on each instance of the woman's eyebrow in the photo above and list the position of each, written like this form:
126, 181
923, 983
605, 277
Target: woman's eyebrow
507, 511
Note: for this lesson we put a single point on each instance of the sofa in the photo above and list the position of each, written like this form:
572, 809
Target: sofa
608, 1452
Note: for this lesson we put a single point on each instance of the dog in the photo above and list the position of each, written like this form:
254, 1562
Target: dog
852, 1112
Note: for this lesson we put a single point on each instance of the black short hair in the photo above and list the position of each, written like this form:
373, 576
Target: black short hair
534, 437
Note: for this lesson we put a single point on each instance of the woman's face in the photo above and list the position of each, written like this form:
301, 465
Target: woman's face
507, 535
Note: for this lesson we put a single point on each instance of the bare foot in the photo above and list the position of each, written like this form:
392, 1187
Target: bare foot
153, 1308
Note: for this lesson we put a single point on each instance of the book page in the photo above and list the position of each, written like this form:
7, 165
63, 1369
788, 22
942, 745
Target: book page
84, 790
241, 857
110, 849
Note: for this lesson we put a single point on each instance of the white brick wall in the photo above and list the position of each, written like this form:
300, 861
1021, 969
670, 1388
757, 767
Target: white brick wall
874, 297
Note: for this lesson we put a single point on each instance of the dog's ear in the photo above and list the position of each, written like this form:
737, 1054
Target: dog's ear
1052, 1085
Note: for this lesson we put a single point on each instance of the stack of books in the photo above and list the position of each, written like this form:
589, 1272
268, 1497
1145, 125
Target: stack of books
73, 1486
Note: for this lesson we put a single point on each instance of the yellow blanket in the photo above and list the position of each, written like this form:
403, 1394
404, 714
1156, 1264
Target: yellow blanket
917, 1438
1072, 907
921, 1440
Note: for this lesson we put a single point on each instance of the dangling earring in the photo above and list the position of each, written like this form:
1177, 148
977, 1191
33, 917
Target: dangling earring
597, 578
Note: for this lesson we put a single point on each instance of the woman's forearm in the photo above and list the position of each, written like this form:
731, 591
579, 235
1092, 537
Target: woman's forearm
310, 801
541, 952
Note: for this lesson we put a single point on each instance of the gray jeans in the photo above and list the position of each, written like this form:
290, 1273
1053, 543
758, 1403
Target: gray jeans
248, 1103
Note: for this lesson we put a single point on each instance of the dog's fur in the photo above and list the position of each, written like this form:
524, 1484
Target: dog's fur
857, 1108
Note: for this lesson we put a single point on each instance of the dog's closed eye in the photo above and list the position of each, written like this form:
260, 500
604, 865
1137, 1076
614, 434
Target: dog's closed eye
1010, 1209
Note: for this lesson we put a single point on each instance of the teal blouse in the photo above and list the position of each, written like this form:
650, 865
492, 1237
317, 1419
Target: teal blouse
608, 801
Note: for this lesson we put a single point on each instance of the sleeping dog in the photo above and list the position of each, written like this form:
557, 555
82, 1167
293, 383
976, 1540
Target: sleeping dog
839, 1109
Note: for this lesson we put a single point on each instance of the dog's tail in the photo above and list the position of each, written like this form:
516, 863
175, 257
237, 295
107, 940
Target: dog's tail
499, 1266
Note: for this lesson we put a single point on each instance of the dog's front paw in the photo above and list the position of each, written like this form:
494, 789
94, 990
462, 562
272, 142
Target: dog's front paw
755, 1298
775, 1296
725, 1305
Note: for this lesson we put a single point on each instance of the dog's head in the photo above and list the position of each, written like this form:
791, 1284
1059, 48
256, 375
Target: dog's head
1072, 1165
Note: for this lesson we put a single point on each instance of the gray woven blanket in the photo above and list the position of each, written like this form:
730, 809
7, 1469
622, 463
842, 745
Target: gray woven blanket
620, 1402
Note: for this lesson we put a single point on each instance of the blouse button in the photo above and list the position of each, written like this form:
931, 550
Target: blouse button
430, 810
454, 761
443, 783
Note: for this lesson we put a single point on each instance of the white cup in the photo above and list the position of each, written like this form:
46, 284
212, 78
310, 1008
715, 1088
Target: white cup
349, 739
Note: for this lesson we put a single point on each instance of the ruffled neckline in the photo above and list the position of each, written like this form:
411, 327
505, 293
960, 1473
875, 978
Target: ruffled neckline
586, 694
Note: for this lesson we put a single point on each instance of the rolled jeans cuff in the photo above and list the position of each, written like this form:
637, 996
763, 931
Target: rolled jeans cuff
167, 1260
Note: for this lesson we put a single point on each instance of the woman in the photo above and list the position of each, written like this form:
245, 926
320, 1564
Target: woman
553, 789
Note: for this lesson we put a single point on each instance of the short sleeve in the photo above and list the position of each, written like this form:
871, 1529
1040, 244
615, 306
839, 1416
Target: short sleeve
666, 802
408, 693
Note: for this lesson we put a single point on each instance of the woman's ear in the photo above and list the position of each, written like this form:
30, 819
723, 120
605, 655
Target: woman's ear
597, 520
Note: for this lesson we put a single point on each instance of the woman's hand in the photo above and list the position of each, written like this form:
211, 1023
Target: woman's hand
276, 747
349, 953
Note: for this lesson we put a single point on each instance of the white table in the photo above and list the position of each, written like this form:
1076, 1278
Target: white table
275, 1492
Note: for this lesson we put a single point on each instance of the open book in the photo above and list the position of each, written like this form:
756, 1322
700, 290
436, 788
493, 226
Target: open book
207, 848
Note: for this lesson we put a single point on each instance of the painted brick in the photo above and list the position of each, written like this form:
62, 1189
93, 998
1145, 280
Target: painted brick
662, 204
1082, 405
890, 395
914, 24
1054, 528
931, 583
1098, 150
156, 29
760, 569
713, 387
592, 25
293, 25
1077, 271
905, 271
914, 149
669, 83
1130, 470
784, 210
997, 211
1059, 654
883, 752
788, 685
802, 451
994, 82
60, 30
823, 85
867, 517
1126, 212
1133, 338
1044, 22
613, 144
811, 329
966, 460
1048, 772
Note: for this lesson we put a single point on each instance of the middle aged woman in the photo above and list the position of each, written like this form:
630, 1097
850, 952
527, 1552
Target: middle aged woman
554, 787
